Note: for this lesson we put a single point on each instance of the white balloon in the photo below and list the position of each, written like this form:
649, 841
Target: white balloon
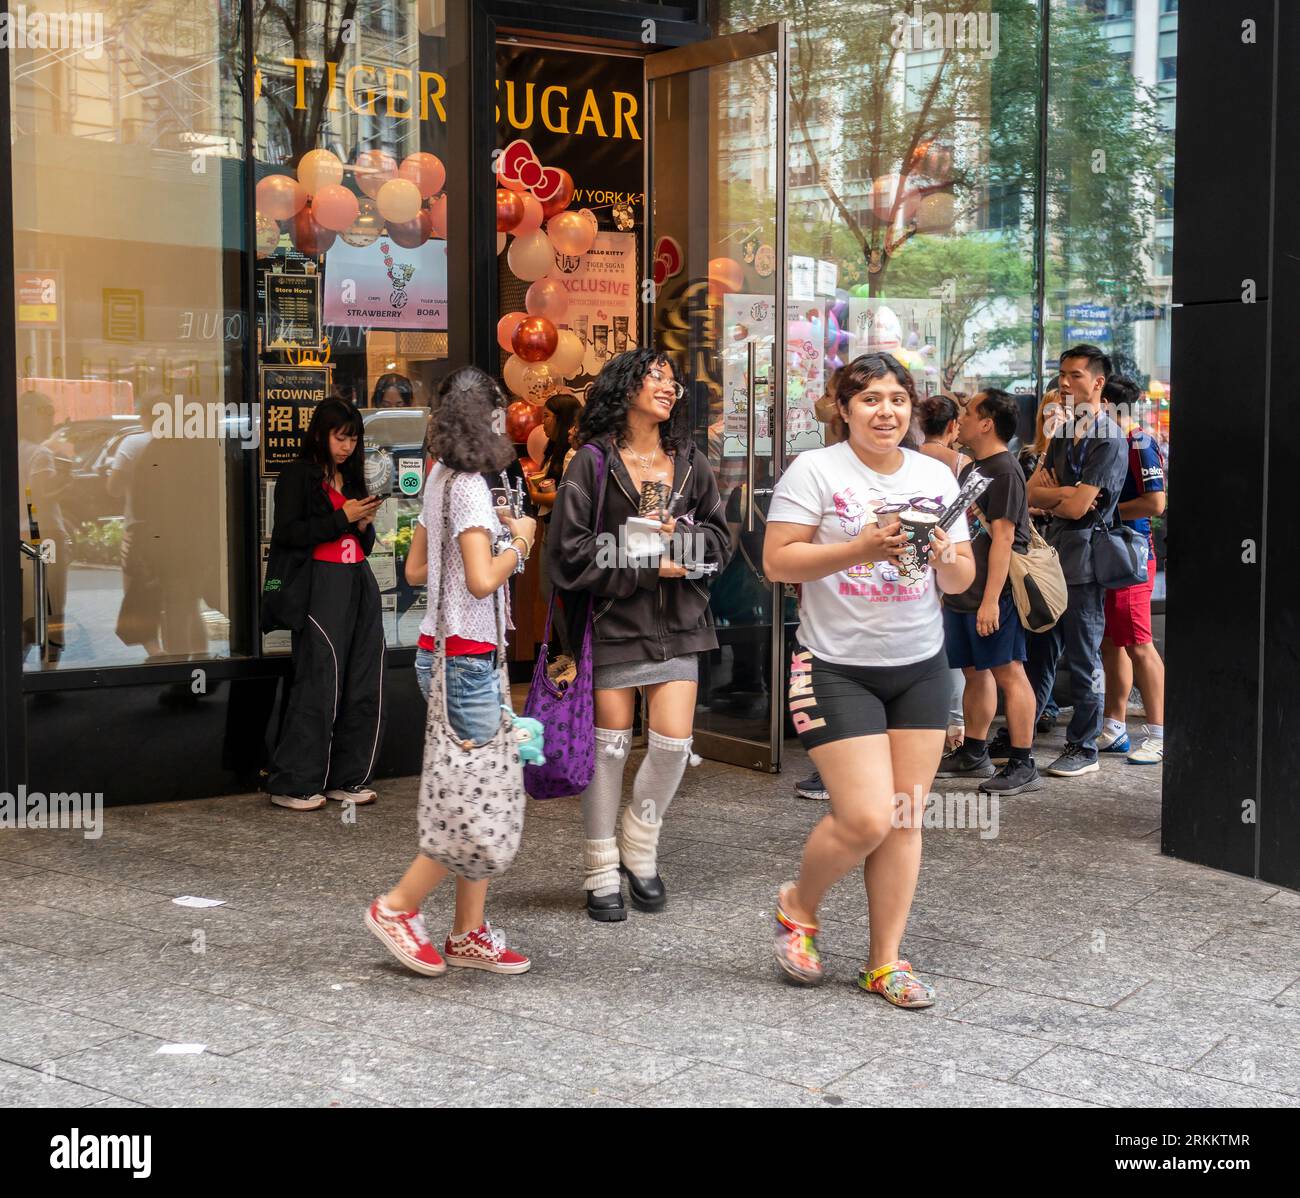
399, 201
319, 169
531, 257
566, 361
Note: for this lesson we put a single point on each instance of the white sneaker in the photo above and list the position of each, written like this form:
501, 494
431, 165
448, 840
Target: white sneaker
299, 802
1112, 742
360, 795
1150, 752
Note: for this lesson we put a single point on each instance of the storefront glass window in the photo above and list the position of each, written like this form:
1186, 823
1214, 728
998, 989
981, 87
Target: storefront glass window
916, 208
1110, 208
352, 216
134, 434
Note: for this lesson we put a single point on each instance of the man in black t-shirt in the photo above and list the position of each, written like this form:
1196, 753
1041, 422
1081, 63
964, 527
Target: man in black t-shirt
982, 631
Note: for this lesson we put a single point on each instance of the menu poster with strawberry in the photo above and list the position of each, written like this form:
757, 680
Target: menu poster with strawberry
382, 286
604, 304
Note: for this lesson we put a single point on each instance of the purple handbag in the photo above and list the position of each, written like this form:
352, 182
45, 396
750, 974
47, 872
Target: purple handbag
568, 716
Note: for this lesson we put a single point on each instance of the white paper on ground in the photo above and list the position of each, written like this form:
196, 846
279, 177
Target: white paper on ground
188, 900
175, 1050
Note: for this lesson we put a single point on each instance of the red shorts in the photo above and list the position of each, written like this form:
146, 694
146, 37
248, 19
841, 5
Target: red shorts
1128, 612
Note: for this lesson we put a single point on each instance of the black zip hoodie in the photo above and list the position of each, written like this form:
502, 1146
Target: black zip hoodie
638, 615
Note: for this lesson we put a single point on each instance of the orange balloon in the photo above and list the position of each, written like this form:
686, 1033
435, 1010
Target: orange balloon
562, 198
280, 196
547, 297
335, 207
534, 339
438, 217
374, 168
506, 329
726, 274
532, 218
425, 171
510, 210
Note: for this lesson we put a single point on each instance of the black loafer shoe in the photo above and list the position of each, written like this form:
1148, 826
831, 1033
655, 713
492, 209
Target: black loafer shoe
648, 894
606, 908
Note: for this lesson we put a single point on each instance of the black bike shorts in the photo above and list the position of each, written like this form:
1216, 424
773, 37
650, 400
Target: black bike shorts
831, 702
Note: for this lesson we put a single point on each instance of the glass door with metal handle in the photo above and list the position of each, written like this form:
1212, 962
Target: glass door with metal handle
716, 248
38, 631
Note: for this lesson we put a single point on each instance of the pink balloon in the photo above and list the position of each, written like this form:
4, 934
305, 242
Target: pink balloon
425, 171
373, 169
532, 219
570, 234
438, 217
335, 207
280, 196
506, 329
537, 443
547, 297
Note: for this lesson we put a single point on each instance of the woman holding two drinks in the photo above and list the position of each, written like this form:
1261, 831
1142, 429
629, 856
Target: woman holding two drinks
651, 619
869, 683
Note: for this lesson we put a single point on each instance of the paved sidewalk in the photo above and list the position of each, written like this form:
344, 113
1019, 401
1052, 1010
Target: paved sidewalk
1074, 966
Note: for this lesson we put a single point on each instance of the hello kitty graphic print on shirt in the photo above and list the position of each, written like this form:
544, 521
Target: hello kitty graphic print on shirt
865, 615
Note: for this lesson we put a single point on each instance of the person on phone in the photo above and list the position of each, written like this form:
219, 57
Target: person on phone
333, 725
651, 618
869, 679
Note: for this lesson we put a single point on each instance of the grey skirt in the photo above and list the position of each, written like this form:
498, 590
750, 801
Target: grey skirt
620, 675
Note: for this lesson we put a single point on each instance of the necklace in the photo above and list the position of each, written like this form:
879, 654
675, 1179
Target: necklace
641, 458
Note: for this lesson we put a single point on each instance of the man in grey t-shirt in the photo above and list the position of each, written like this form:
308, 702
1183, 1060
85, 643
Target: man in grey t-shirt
1078, 481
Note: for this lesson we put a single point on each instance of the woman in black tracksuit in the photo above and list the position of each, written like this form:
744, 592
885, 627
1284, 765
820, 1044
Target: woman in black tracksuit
328, 596
651, 621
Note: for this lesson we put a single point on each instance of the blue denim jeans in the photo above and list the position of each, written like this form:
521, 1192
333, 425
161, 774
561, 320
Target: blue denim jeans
473, 693
1077, 635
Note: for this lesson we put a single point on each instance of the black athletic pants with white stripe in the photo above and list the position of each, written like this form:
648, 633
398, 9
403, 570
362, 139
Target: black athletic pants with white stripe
332, 728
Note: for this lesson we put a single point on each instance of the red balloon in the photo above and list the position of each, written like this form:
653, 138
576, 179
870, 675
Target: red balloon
309, 237
562, 198
534, 339
521, 418
510, 210
528, 465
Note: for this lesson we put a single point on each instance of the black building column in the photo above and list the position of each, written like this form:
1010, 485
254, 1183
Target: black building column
1233, 646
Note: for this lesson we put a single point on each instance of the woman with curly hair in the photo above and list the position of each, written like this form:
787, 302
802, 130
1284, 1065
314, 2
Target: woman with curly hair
328, 597
651, 618
869, 682
467, 437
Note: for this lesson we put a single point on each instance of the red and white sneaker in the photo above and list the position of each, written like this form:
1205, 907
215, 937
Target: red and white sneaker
484, 948
404, 936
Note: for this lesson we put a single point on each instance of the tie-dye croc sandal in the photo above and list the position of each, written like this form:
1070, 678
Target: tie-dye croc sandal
795, 945
897, 984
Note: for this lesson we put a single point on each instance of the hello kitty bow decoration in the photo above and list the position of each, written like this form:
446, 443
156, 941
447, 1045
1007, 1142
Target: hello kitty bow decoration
519, 164
668, 260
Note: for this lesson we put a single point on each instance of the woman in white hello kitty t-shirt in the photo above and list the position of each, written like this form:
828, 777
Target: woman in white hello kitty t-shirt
869, 681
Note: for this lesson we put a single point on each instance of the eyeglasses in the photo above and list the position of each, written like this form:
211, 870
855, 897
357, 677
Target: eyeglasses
657, 378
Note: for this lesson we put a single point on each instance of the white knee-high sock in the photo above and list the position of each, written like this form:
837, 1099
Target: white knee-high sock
600, 803
660, 775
